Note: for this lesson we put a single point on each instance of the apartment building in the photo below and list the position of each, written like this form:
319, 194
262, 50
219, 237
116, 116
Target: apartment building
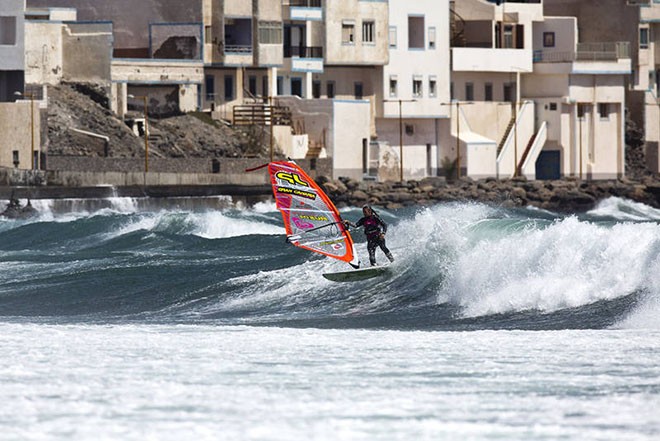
413, 102
20, 121
552, 100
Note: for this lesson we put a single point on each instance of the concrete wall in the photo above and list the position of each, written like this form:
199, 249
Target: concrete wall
130, 18
43, 52
565, 31
176, 40
420, 149
87, 52
80, 172
350, 129
357, 53
12, 56
16, 125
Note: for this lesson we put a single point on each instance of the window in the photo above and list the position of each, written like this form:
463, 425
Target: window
368, 31
208, 35
252, 85
603, 111
431, 38
410, 129
264, 86
15, 160
316, 89
417, 86
548, 39
429, 156
229, 87
394, 85
469, 91
392, 36
581, 110
509, 91
553, 107
357, 87
330, 87
348, 32
433, 86
416, 32
508, 36
488, 92
8, 31
270, 32
643, 38
209, 85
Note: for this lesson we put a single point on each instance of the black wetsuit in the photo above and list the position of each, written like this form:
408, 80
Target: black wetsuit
374, 227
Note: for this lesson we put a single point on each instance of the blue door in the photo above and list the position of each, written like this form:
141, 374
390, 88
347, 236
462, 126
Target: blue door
548, 165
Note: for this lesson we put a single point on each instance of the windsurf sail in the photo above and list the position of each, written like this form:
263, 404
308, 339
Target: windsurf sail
310, 218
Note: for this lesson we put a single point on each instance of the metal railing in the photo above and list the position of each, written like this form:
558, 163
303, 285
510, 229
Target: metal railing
304, 3
261, 115
303, 52
241, 49
610, 51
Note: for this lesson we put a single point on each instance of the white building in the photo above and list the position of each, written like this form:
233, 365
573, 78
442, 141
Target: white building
413, 103
553, 104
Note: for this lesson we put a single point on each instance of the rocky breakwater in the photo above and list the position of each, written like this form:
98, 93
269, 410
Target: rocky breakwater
566, 195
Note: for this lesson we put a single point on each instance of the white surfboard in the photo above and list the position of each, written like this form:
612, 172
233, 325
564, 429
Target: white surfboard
359, 274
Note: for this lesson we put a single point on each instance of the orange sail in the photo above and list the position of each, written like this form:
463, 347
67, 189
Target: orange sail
310, 218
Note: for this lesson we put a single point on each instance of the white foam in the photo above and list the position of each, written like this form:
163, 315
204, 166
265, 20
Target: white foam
625, 210
568, 264
216, 225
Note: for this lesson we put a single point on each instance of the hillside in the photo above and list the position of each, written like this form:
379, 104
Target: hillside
75, 106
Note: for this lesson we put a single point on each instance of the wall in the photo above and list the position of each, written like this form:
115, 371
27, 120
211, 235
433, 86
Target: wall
358, 53
350, 127
131, 18
87, 52
15, 127
12, 57
43, 52
565, 30
415, 153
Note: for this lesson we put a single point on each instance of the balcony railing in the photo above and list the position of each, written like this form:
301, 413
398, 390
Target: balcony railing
238, 49
303, 52
586, 52
304, 3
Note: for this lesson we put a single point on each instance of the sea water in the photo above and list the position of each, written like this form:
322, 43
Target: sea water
133, 323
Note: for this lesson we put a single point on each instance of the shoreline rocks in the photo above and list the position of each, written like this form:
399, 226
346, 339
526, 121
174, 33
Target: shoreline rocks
566, 195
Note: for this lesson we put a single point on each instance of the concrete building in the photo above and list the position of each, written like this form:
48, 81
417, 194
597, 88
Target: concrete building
12, 48
333, 58
413, 102
551, 100
20, 121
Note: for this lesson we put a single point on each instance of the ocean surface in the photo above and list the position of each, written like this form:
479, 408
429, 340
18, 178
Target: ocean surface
192, 319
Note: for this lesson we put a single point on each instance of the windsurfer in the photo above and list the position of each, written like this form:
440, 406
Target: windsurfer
374, 229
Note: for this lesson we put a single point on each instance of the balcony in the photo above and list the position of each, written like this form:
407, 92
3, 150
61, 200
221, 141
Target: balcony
305, 10
303, 51
305, 58
586, 52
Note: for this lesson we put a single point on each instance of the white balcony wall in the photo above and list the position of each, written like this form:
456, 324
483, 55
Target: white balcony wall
469, 59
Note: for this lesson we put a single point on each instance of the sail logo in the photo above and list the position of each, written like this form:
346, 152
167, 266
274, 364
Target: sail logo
296, 192
291, 178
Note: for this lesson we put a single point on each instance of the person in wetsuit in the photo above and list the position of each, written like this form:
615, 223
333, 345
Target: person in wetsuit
374, 229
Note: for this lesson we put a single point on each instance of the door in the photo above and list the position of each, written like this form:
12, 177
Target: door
548, 165
296, 86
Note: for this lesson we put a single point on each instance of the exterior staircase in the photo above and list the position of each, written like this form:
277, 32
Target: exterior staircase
313, 150
523, 158
500, 146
